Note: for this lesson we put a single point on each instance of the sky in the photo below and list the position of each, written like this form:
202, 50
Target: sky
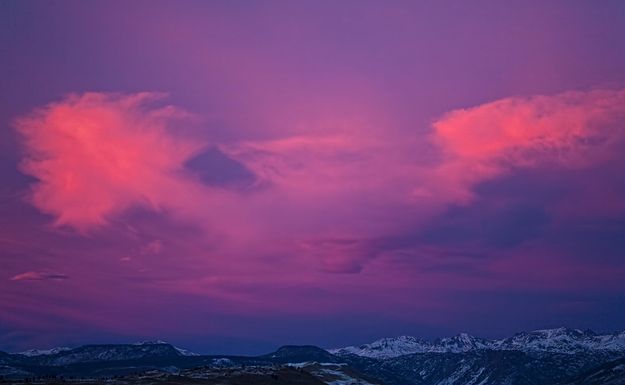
232, 176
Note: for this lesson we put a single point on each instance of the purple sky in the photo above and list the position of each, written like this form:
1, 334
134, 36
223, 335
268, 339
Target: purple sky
232, 176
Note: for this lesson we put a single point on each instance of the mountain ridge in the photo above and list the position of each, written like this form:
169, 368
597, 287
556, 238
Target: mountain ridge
540, 357
559, 340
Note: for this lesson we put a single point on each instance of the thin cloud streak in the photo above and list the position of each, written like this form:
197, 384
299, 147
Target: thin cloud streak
39, 276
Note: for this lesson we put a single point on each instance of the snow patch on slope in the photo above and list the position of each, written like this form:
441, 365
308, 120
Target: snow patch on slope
183, 352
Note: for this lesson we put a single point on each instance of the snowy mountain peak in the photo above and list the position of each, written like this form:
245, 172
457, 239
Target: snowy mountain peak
43, 352
559, 340
102, 351
555, 333
460, 343
183, 352
386, 347
156, 342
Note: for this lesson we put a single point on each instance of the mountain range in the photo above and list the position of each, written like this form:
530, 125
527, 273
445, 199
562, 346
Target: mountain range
542, 357
561, 340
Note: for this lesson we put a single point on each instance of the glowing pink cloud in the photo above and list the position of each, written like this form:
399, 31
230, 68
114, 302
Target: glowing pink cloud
95, 155
524, 131
570, 130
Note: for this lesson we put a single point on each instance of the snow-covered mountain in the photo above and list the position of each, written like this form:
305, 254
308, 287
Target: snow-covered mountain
386, 348
561, 340
93, 353
183, 352
399, 346
540, 357
43, 352
460, 343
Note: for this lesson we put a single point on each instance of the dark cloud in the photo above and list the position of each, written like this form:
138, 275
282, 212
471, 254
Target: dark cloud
213, 167
486, 225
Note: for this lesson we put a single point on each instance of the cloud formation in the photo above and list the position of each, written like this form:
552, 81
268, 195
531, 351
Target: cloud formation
571, 130
324, 198
96, 155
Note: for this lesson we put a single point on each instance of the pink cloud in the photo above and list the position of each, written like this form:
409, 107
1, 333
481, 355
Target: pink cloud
569, 130
38, 276
95, 155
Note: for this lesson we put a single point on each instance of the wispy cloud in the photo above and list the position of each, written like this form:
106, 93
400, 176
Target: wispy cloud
39, 276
